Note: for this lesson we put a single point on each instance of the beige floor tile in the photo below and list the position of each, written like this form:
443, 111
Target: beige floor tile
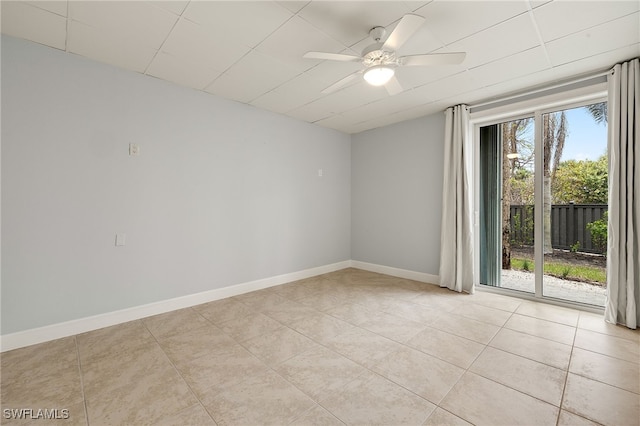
250, 326
317, 416
321, 327
349, 347
352, 313
448, 347
603, 368
464, 327
374, 400
595, 322
111, 340
482, 313
443, 300
322, 300
442, 417
608, 345
105, 375
536, 348
194, 415
362, 346
261, 299
289, 313
320, 372
496, 301
600, 402
43, 360
265, 398
531, 377
175, 322
279, 345
424, 375
549, 312
58, 390
542, 328
295, 290
215, 373
146, 401
569, 419
223, 310
484, 402
393, 327
412, 311
183, 348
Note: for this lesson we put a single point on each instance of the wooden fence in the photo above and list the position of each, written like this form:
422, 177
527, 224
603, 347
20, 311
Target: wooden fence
568, 225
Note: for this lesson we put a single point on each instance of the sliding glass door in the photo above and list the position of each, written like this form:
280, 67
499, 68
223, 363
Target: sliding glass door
543, 202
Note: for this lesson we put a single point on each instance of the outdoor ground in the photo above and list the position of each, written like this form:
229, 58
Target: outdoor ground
578, 266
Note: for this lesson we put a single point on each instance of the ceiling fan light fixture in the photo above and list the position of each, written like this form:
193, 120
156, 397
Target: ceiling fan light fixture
378, 75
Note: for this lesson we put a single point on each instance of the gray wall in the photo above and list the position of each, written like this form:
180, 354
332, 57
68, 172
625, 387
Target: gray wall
221, 193
396, 203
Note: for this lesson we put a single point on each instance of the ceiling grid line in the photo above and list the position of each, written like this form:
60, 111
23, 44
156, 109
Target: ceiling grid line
252, 51
146, 70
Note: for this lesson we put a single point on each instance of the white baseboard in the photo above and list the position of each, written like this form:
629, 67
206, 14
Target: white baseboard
396, 272
69, 328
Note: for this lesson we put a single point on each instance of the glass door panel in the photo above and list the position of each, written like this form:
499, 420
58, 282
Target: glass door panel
574, 187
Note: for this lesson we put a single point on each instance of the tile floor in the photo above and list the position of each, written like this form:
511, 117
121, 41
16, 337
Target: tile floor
349, 347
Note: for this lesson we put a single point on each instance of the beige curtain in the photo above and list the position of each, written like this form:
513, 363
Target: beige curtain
623, 253
456, 239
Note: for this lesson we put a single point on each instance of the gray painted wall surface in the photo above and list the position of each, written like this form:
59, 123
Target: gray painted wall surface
396, 203
221, 193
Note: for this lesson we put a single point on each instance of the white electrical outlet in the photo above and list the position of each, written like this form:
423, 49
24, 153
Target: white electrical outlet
134, 149
121, 239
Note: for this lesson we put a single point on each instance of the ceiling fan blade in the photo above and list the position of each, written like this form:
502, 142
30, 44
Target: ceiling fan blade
393, 86
332, 56
408, 25
433, 59
342, 82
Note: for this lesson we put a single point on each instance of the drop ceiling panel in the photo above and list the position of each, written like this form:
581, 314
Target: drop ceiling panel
597, 62
518, 65
57, 7
349, 22
200, 46
613, 35
452, 85
137, 22
252, 51
453, 20
175, 7
561, 18
411, 77
502, 40
291, 41
33, 23
182, 71
105, 47
247, 85
245, 22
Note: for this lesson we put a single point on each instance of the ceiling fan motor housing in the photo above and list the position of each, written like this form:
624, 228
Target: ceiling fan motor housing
374, 55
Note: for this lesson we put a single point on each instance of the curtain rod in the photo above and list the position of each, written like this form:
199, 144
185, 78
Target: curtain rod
542, 89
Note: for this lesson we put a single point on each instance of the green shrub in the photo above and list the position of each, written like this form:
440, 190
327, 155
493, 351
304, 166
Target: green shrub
598, 231
575, 247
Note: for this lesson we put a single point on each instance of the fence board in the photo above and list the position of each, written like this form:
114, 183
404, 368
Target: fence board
568, 225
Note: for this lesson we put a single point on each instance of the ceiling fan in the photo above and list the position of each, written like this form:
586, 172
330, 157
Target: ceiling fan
380, 59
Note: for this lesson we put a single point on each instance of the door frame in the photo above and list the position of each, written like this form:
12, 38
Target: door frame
535, 108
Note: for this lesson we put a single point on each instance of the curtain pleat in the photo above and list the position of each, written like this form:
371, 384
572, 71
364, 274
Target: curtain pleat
623, 250
456, 239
